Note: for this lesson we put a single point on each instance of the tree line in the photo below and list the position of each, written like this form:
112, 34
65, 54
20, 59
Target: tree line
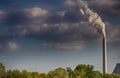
81, 71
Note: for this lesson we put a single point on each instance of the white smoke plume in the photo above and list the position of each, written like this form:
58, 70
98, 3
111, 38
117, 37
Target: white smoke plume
93, 18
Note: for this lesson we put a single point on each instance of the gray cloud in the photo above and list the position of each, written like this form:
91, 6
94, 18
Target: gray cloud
28, 15
35, 12
109, 8
2, 16
14, 18
5, 37
69, 3
63, 46
113, 33
60, 27
72, 16
1, 48
12, 46
63, 32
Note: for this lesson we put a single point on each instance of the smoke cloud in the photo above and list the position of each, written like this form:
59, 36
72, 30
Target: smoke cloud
93, 18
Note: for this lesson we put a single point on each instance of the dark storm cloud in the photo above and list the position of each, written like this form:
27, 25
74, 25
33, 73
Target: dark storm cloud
63, 46
54, 19
19, 17
113, 33
5, 37
61, 26
2, 16
105, 8
65, 32
13, 17
117, 6
1, 48
11, 2
109, 8
4, 2
72, 16
16, 18
65, 26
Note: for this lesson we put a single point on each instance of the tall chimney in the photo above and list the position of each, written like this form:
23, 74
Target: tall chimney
105, 65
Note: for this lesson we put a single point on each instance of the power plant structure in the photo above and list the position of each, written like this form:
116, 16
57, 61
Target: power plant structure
105, 65
96, 21
117, 69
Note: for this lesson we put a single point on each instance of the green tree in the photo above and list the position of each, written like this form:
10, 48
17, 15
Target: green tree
50, 75
83, 71
96, 74
26, 74
70, 71
2, 70
59, 73
43, 75
16, 74
35, 75
9, 74
111, 76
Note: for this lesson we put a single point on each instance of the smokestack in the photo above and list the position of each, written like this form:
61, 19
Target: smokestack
105, 67
95, 20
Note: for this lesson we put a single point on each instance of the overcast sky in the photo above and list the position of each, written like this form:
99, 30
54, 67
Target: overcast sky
41, 35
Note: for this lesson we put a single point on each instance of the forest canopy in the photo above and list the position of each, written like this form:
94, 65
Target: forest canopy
81, 71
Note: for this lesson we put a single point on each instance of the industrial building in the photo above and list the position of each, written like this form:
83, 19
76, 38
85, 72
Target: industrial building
117, 69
